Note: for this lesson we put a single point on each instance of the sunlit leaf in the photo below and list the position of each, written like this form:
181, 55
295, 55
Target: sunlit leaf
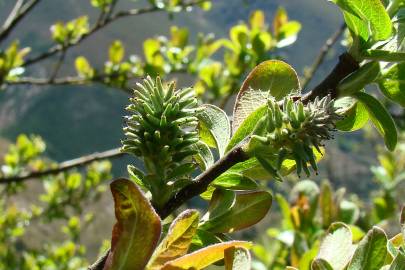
216, 123
246, 128
237, 258
203, 257
392, 83
337, 248
116, 52
177, 241
381, 118
371, 12
371, 251
354, 118
270, 79
137, 231
252, 206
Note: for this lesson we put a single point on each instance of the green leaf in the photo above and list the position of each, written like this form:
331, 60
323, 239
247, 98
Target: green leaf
326, 204
381, 118
177, 241
271, 78
392, 83
234, 181
371, 251
337, 248
288, 33
221, 201
237, 258
257, 19
246, 128
100, 3
203, 238
252, 206
402, 222
371, 12
357, 80
285, 211
355, 118
151, 48
203, 257
320, 264
239, 35
215, 123
204, 158
138, 227
398, 263
179, 36
116, 52
348, 212
83, 67
385, 56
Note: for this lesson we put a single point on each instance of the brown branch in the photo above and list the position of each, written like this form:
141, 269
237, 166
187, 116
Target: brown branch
98, 26
46, 81
17, 14
64, 166
201, 183
346, 65
322, 54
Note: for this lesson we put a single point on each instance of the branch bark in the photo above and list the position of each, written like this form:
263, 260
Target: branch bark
64, 166
19, 11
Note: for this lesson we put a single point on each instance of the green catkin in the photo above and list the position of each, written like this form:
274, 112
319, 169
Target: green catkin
162, 130
294, 131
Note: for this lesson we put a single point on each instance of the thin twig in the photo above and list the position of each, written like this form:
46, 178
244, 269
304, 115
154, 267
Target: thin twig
64, 166
322, 54
58, 65
46, 81
17, 14
121, 14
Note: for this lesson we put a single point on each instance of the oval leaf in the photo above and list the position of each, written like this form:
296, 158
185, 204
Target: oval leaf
237, 258
354, 119
271, 78
177, 241
381, 119
337, 248
203, 257
398, 263
138, 228
392, 84
247, 210
372, 12
214, 125
371, 251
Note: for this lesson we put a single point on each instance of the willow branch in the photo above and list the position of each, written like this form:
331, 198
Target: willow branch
346, 65
19, 11
201, 183
322, 54
64, 166
98, 26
